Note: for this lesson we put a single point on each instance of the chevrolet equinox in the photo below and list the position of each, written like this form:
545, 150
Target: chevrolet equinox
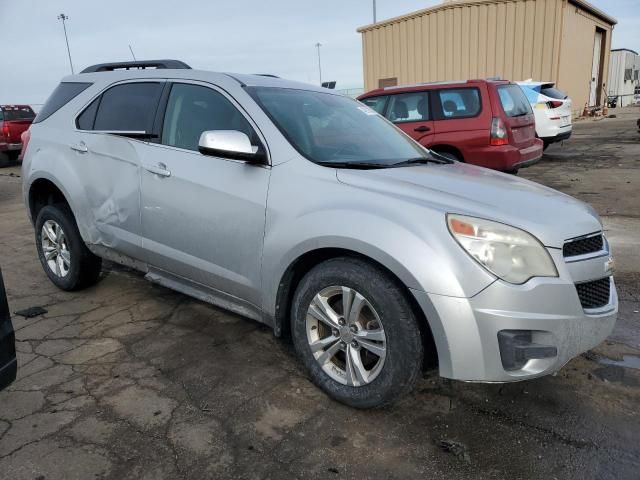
308, 211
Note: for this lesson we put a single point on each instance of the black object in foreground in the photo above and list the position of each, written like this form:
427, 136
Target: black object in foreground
8, 362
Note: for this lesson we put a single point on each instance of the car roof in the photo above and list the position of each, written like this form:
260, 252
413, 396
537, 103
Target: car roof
431, 85
243, 79
535, 83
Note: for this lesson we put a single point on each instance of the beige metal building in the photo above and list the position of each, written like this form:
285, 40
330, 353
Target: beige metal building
564, 41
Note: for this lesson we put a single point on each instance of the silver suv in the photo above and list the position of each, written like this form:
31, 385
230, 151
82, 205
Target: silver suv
306, 210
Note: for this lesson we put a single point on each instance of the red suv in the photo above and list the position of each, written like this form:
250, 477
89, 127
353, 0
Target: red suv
14, 120
484, 122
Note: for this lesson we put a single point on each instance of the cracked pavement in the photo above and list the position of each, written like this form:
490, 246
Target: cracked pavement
128, 380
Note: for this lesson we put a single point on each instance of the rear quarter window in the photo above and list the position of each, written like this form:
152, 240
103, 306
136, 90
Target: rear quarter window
513, 101
63, 94
553, 92
459, 102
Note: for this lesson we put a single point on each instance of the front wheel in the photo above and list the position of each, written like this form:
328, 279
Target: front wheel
65, 258
356, 333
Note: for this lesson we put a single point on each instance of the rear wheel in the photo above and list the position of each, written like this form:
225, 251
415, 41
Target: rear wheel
65, 258
356, 333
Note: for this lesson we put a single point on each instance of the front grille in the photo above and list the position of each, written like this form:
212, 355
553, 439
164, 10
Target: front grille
582, 246
594, 294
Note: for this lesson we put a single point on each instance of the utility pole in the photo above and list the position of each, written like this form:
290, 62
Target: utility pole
132, 54
374, 11
63, 17
318, 45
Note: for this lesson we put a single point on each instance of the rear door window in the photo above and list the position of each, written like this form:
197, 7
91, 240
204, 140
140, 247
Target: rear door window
129, 107
513, 101
553, 92
63, 94
459, 102
408, 107
376, 103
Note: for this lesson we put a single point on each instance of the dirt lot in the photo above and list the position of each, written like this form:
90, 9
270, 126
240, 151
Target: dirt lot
132, 381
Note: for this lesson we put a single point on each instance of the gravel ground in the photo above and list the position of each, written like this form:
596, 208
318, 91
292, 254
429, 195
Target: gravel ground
128, 380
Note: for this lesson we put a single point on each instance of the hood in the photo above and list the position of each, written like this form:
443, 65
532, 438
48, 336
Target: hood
551, 216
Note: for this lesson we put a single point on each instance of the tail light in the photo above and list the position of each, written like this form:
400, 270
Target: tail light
25, 137
5, 131
554, 103
498, 132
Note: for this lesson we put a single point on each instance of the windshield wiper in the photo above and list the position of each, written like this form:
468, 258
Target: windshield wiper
353, 165
422, 161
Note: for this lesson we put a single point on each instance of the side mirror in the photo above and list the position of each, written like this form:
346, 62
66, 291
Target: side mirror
230, 144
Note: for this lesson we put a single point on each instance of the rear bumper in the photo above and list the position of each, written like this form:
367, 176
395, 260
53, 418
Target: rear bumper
507, 157
563, 134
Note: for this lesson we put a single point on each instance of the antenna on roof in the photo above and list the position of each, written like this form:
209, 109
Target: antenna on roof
132, 54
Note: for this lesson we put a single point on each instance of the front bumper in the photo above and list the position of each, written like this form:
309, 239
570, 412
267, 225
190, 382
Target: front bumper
466, 329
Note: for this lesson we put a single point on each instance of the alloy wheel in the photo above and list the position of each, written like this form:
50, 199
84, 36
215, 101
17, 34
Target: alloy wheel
55, 248
346, 336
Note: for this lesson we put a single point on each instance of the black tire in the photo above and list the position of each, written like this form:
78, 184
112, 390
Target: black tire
404, 349
84, 269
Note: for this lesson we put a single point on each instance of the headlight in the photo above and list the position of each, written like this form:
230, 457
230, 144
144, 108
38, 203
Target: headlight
508, 252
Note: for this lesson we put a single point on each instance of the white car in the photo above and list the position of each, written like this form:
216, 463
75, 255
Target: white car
552, 109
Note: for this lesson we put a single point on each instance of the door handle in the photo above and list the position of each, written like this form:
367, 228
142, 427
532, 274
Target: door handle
160, 170
421, 128
80, 147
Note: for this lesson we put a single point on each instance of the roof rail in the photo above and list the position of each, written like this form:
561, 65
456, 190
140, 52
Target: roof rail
162, 64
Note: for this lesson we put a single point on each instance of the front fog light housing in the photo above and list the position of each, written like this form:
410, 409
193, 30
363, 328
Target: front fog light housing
509, 253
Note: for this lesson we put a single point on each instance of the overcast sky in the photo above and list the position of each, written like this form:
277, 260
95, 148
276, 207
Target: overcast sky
246, 36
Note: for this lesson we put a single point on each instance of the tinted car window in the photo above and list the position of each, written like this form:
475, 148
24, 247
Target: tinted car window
513, 100
87, 117
376, 103
553, 93
63, 94
328, 128
459, 102
128, 107
193, 109
408, 107
18, 113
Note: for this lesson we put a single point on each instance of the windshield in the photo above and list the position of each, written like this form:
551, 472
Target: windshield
328, 128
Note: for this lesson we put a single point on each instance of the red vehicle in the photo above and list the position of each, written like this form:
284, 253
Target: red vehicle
14, 120
484, 122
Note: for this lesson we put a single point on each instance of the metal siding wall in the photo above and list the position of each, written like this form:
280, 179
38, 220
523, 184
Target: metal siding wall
513, 39
578, 36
